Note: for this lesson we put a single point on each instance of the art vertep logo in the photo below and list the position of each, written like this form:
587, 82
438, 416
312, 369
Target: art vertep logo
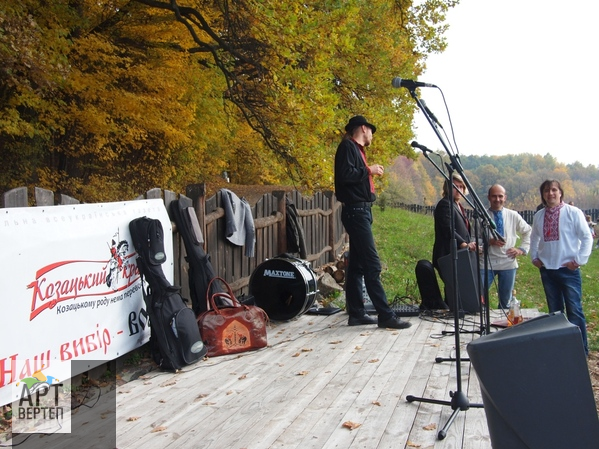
43, 405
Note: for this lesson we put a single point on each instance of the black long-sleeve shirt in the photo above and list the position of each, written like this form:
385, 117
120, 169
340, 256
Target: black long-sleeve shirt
352, 179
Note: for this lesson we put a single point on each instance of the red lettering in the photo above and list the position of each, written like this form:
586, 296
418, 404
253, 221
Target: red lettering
78, 346
5, 371
64, 353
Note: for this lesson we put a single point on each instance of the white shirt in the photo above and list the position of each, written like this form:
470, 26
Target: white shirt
575, 241
514, 225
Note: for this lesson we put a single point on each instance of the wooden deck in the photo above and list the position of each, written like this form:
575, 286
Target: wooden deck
319, 384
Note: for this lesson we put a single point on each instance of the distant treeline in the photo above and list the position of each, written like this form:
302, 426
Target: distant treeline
419, 182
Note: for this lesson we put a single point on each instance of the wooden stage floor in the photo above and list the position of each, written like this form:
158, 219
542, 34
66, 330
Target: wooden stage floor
318, 384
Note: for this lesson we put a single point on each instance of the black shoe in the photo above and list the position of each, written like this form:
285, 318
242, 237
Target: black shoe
395, 323
365, 319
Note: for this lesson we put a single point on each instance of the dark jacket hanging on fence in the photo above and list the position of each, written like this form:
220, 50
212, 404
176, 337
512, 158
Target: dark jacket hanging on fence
296, 241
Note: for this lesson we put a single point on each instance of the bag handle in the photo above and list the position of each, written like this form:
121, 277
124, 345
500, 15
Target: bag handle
210, 300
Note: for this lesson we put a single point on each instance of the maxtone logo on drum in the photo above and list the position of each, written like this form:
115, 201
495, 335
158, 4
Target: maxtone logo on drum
279, 274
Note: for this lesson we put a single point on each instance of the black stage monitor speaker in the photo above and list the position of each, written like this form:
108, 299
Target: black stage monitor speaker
536, 387
469, 301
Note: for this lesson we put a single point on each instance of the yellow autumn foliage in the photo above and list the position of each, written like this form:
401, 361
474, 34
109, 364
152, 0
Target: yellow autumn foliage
105, 100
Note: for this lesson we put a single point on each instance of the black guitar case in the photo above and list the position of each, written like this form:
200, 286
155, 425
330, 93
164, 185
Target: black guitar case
429, 287
201, 271
175, 339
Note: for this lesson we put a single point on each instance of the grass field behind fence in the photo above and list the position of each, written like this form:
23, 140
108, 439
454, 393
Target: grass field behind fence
403, 238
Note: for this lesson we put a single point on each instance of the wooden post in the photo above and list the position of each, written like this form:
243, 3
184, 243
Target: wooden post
154, 193
65, 200
197, 193
15, 198
44, 197
332, 218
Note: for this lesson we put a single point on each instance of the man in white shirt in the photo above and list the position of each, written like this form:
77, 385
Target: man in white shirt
502, 260
560, 244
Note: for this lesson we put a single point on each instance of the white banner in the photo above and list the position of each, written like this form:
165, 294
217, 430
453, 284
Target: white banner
70, 288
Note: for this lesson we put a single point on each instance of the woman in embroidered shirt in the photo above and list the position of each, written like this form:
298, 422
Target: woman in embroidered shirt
560, 243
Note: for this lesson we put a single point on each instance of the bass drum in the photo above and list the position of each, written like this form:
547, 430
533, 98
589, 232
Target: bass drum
283, 287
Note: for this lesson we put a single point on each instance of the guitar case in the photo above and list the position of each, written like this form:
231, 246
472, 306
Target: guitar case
175, 339
201, 271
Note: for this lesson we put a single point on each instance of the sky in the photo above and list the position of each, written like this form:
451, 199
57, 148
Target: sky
518, 76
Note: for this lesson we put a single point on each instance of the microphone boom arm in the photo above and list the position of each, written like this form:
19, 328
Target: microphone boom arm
456, 164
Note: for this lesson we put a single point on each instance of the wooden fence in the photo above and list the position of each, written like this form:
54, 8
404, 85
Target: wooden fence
526, 214
320, 217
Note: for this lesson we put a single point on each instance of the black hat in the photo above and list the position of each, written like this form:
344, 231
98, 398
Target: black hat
356, 121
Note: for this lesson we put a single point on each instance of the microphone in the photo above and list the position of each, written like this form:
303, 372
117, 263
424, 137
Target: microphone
430, 113
420, 147
409, 84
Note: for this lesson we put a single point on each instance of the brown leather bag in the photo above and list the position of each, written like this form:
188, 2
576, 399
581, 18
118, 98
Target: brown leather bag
229, 330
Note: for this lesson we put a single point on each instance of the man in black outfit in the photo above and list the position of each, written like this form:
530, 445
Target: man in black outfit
355, 189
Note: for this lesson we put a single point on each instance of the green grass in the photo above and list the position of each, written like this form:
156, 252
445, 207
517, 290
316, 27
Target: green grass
403, 238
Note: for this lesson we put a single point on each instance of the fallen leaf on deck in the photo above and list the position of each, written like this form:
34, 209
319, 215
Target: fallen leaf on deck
351, 425
410, 444
376, 403
373, 360
158, 429
431, 426
335, 342
303, 373
243, 376
358, 348
133, 418
307, 350
297, 354
168, 384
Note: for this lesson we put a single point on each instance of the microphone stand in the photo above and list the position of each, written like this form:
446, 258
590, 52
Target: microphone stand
459, 400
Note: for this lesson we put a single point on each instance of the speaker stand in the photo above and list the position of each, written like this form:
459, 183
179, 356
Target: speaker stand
459, 403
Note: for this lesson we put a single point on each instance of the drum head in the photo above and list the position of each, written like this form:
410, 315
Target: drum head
284, 288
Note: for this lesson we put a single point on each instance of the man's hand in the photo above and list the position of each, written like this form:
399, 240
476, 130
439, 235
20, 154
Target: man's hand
472, 246
572, 265
496, 242
376, 170
514, 252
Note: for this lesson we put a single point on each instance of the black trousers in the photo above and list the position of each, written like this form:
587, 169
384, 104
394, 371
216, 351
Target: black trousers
364, 263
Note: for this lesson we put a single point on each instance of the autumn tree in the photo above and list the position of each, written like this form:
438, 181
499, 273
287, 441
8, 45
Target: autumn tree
102, 100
